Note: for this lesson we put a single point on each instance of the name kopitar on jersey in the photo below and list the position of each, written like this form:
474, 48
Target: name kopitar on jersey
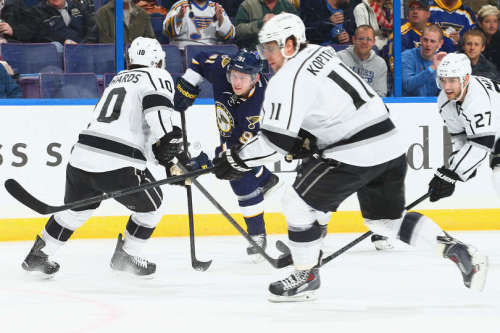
127, 77
320, 60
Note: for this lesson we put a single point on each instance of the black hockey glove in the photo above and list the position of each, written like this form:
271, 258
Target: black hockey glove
230, 166
185, 94
305, 146
169, 146
443, 184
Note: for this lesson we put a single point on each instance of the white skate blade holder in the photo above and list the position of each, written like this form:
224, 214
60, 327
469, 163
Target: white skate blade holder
305, 296
481, 264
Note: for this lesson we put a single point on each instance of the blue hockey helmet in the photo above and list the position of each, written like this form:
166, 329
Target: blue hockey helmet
246, 62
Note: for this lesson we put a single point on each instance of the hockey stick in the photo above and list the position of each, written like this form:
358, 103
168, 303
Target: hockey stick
368, 233
276, 263
195, 263
20, 194
282, 246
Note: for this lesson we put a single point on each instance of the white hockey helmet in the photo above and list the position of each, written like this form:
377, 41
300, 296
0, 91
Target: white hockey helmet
454, 65
279, 28
146, 52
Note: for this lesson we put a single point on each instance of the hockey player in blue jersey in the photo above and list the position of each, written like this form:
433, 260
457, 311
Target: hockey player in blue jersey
238, 93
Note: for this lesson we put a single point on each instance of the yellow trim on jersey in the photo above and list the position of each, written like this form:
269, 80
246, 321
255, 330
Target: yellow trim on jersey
442, 5
216, 225
174, 7
252, 91
405, 28
258, 174
249, 217
194, 61
470, 18
170, 27
229, 34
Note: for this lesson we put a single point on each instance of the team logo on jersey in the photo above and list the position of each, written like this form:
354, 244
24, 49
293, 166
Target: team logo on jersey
253, 120
225, 61
225, 120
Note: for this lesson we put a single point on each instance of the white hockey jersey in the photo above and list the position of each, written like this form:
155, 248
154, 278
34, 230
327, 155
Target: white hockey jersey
315, 91
198, 26
134, 111
474, 124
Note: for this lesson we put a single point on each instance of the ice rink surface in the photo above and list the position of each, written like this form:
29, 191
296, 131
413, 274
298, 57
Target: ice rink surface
402, 291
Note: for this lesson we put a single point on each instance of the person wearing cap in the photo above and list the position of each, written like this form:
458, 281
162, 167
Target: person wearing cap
411, 31
487, 20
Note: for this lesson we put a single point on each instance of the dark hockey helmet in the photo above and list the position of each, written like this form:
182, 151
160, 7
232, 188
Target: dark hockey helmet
246, 62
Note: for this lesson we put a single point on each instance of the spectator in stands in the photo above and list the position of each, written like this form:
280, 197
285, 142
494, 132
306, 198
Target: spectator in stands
88, 4
475, 5
453, 17
136, 22
371, 12
230, 6
8, 87
411, 31
419, 64
487, 20
65, 22
361, 58
18, 22
327, 21
252, 14
197, 22
474, 42
151, 6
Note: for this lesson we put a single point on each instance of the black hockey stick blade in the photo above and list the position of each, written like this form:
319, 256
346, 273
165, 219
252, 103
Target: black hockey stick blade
20, 194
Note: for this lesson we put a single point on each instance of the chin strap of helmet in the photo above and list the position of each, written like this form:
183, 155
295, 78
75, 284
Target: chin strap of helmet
464, 86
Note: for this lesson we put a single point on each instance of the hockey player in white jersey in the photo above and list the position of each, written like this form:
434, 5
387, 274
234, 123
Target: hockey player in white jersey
358, 150
111, 153
469, 106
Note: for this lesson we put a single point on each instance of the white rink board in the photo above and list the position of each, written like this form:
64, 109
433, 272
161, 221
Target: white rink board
36, 142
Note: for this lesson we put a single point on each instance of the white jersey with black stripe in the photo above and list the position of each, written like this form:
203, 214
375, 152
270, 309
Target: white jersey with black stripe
474, 124
315, 91
135, 110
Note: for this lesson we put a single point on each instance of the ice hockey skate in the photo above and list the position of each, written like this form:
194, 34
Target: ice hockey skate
273, 184
252, 252
472, 264
299, 286
381, 243
124, 262
37, 261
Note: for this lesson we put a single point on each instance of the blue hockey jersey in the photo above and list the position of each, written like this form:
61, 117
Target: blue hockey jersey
238, 119
459, 17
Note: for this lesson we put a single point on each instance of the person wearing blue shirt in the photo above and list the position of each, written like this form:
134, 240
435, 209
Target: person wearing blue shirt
239, 88
419, 64
8, 87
